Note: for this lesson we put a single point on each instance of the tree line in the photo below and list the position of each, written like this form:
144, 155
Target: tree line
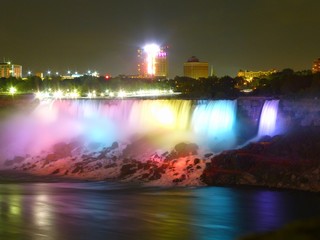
285, 83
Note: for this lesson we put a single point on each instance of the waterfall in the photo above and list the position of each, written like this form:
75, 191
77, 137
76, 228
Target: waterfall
214, 123
165, 122
268, 118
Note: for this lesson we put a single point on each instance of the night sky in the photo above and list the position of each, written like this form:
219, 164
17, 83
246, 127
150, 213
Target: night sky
104, 35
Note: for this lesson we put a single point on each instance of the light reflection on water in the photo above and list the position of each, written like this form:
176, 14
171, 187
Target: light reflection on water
113, 211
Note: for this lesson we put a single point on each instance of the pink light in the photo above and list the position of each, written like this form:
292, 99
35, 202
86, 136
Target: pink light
162, 54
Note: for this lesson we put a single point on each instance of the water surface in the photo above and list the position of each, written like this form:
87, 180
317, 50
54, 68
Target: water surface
117, 211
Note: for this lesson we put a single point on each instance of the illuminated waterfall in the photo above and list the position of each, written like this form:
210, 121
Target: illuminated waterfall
166, 122
214, 123
268, 117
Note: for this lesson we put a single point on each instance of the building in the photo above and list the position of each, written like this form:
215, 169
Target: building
193, 68
153, 61
250, 75
7, 69
316, 66
39, 74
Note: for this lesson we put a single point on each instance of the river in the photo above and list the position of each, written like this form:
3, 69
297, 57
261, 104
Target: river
104, 210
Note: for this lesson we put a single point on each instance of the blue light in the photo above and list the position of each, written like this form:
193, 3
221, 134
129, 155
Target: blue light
214, 123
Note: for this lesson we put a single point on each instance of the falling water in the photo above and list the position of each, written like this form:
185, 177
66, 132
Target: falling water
268, 117
167, 122
214, 123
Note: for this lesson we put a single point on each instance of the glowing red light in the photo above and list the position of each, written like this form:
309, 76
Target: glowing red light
107, 77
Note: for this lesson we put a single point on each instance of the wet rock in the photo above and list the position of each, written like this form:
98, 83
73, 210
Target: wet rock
108, 150
180, 179
287, 161
184, 149
144, 176
110, 165
248, 179
78, 169
98, 165
176, 180
127, 169
196, 161
155, 175
114, 145
165, 154
156, 158
55, 171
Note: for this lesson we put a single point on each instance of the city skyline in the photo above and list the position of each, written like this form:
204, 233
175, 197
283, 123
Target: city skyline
82, 35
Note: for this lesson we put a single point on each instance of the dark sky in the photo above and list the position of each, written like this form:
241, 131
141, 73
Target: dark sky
104, 35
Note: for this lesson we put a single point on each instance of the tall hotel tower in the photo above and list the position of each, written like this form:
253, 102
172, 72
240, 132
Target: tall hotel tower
153, 61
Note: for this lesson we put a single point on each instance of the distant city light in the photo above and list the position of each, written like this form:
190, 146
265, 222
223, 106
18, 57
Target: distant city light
58, 94
42, 95
73, 94
95, 74
107, 94
122, 94
12, 90
152, 51
152, 48
92, 94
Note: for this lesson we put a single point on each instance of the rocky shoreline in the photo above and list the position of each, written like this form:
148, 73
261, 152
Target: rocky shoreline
288, 161
180, 167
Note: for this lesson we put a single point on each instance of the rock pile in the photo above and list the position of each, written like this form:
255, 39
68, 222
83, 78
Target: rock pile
180, 166
290, 161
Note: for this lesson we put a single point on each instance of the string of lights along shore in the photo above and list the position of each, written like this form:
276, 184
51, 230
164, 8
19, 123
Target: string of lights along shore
152, 63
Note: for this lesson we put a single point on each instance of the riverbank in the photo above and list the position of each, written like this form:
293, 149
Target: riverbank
289, 161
